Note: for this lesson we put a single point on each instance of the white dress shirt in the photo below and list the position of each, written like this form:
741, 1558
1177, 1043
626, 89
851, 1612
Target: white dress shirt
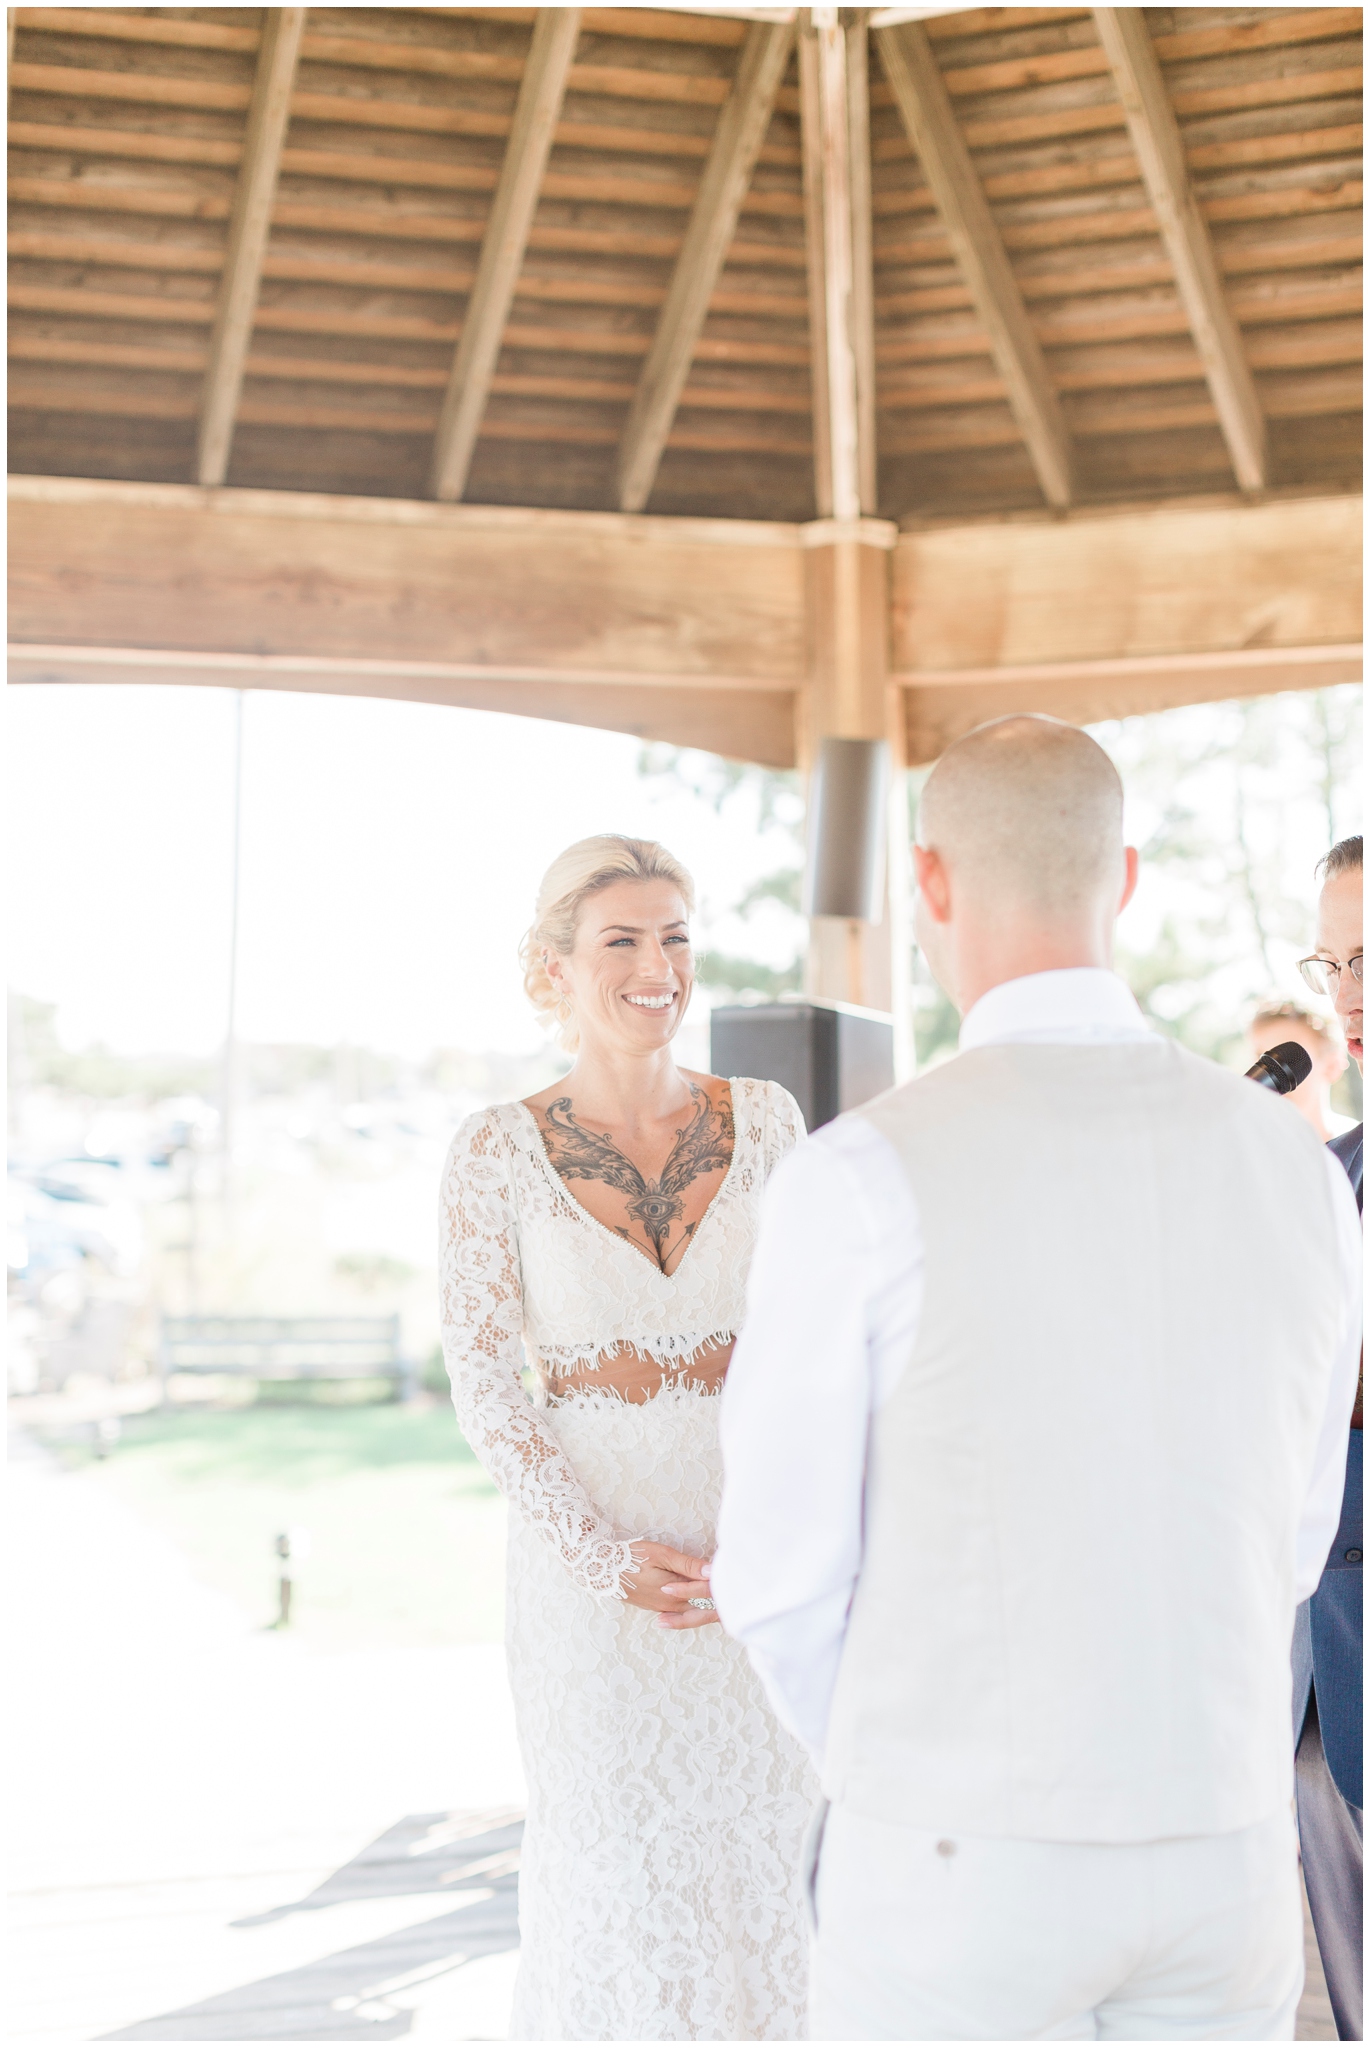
833, 1307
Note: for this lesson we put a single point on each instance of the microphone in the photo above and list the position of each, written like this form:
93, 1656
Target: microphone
1282, 1068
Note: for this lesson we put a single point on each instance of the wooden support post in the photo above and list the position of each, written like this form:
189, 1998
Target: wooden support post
847, 694
728, 169
250, 225
925, 108
811, 154
1160, 152
502, 248
857, 52
834, 96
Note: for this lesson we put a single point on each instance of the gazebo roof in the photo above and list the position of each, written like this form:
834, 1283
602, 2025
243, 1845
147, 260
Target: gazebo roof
1085, 331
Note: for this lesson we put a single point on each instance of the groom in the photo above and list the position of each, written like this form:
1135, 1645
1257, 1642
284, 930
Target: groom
1034, 1439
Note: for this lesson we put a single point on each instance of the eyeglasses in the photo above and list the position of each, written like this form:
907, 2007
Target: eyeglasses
1323, 976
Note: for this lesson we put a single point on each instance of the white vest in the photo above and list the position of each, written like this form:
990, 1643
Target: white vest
1076, 1599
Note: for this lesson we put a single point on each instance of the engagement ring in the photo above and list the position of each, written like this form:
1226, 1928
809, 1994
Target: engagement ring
708, 1605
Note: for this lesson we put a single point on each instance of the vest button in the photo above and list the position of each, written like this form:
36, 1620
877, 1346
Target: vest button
1353, 1557
946, 1848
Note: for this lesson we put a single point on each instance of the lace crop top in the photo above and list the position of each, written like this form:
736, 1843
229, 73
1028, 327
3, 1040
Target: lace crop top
529, 1276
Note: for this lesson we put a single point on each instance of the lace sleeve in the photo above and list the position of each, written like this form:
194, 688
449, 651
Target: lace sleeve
784, 1125
482, 1341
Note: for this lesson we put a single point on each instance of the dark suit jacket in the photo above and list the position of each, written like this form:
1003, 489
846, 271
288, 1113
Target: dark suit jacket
1328, 1655
1350, 1149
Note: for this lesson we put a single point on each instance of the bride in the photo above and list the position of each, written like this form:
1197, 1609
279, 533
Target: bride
596, 1239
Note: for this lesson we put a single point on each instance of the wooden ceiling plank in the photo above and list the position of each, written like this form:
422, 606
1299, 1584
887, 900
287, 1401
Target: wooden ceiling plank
502, 251
248, 233
1156, 138
1344, 82
727, 173
990, 21
1275, 30
926, 111
1295, 202
69, 81
46, 298
122, 142
653, 24
370, 53
1019, 72
1001, 131
158, 26
1300, 62
1260, 150
84, 196
119, 254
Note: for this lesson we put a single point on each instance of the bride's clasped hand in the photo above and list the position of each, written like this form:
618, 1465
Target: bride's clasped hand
668, 1583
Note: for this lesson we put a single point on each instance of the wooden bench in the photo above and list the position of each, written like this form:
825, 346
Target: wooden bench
287, 1348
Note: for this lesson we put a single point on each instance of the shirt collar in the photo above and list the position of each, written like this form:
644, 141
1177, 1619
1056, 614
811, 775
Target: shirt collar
1063, 1004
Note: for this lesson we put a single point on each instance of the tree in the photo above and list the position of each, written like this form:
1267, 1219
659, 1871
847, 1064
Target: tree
1231, 805
778, 802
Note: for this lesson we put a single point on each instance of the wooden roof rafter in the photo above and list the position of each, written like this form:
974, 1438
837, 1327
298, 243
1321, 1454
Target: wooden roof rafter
249, 229
728, 170
1160, 152
503, 246
926, 110
126, 147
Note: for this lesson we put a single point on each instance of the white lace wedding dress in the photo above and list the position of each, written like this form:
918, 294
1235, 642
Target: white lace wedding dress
660, 1897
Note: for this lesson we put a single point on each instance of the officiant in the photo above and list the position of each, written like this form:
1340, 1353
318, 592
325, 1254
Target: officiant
1328, 1654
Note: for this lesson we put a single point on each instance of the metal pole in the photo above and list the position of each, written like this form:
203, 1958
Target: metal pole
229, 1083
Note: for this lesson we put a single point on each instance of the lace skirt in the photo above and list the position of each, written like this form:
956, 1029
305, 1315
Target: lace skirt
659, 1895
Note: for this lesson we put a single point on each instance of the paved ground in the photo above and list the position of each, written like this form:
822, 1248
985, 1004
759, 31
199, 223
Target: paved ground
220, 1836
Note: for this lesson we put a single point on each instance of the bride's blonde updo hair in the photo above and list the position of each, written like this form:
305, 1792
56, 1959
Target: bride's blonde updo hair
589, 865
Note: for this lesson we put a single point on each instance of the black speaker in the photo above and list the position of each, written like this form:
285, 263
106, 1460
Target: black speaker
831, 1056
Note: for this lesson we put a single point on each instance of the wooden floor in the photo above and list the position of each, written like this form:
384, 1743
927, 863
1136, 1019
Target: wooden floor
469, 1861
1315, 2022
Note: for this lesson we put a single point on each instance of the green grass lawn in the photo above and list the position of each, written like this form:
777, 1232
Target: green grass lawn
406, 1531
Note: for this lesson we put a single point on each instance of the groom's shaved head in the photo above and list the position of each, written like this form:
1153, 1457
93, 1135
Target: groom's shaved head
1027, 812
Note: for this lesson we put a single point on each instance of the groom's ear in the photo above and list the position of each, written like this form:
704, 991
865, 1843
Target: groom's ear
934, 885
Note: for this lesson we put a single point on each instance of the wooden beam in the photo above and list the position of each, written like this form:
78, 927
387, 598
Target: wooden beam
709, 633
502, 250
1168, 581
743, 723
941, 709
728, 169
926, 111
1156, 138
684, 630
250, 225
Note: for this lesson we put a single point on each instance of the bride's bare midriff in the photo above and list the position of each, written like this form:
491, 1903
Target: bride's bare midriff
635, 1378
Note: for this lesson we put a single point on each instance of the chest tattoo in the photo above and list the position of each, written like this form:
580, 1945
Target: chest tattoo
702, 1145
